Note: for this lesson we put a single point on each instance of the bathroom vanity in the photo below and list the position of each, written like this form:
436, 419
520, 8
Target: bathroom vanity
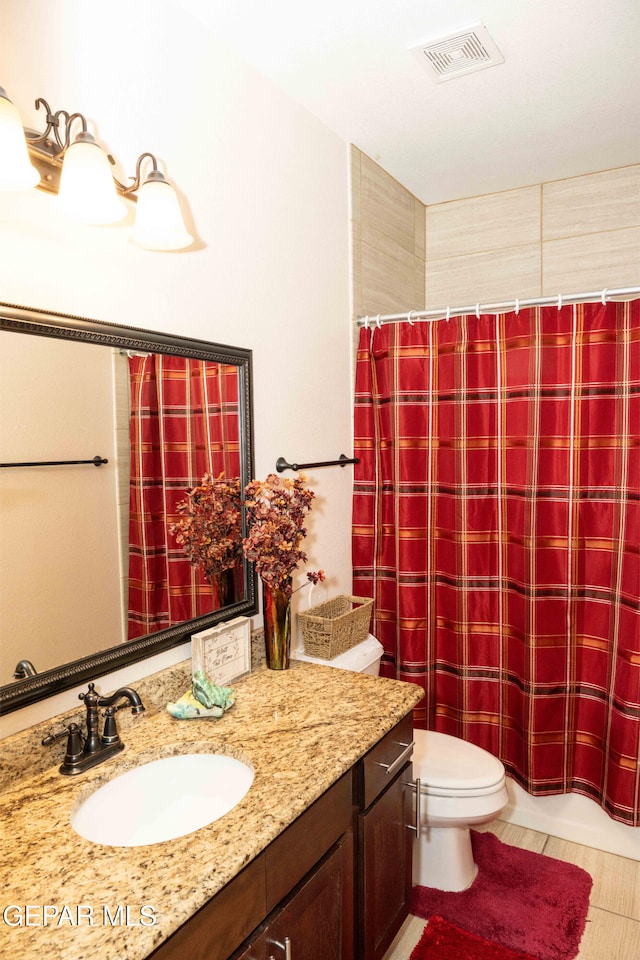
316, 856
317, 883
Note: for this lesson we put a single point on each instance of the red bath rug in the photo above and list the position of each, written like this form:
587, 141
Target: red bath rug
443, 941
521, 900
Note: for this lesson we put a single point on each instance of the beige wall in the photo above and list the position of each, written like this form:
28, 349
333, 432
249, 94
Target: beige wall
57, 524
265, 186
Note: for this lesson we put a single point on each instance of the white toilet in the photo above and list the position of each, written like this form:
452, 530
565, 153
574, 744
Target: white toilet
461, 786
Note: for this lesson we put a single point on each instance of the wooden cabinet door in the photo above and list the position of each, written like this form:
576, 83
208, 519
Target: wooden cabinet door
257, 951
385, 843
318, 920
224, 922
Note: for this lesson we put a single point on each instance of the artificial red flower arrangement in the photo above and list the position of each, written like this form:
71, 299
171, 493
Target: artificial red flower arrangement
210, 528
276, 508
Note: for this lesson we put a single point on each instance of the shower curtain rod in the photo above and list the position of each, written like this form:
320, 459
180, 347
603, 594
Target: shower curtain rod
444, 313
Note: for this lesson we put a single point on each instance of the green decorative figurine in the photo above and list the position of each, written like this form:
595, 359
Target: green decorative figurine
203, 699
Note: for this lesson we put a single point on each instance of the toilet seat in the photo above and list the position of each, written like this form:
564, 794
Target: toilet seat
450, 767
454, 793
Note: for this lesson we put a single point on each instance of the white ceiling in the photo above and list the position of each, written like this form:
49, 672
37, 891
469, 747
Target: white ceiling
565, 102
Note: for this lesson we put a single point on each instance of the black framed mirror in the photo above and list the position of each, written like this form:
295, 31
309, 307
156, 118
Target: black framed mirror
58, 554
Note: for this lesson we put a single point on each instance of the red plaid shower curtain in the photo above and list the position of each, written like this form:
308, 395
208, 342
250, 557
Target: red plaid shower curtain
496, 523
184, 422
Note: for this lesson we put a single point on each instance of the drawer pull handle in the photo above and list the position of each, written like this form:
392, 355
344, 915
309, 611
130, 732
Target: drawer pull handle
416, 785
398, 762
286, 946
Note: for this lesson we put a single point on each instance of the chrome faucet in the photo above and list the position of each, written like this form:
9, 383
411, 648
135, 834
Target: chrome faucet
84, 752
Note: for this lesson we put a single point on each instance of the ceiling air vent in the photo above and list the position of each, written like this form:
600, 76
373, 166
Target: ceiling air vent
464, 51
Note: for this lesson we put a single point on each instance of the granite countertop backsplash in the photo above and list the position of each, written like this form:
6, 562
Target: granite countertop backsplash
300, 729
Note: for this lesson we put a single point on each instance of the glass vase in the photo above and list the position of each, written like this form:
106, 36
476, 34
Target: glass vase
277, 627
222, 589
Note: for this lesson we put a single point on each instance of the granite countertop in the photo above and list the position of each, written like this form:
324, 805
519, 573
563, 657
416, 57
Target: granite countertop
300, 729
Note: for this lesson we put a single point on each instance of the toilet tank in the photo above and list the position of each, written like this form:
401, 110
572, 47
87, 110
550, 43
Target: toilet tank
363, 658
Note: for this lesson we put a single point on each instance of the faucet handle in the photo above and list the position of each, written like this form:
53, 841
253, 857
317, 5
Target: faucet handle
52, 738
75, 745
75, 748
73, 730
110, 732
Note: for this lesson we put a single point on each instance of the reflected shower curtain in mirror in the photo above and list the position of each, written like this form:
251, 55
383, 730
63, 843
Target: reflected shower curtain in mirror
184, 422
496, 524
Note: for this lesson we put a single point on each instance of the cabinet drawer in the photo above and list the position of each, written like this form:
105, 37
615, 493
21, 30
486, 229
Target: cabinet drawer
225, 921
379, 766
308, 838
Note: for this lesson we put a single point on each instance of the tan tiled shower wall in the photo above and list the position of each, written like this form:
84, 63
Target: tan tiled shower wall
387, 238
566, 236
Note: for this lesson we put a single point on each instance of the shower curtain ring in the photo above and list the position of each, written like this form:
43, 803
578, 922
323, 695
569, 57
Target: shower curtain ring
517, 307
409, 315
604, 296
378, 321
559, 301
478, 310
448, 314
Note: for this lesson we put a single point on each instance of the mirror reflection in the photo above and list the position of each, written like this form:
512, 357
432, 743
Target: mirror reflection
183, 417
95, 557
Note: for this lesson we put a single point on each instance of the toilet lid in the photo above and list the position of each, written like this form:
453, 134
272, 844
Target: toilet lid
444, 763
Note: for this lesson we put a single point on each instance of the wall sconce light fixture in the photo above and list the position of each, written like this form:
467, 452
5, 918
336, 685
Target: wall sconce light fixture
79, 172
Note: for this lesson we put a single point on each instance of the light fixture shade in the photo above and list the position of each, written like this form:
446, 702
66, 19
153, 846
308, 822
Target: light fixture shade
87, 189
159, 224
16, 171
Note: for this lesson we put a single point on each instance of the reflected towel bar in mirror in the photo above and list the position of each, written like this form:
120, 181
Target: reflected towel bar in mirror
97, 462
282, 464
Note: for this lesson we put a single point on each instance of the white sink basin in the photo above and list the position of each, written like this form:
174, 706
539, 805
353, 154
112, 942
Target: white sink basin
162, 800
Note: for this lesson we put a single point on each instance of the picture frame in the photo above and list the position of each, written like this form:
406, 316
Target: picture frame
223, 652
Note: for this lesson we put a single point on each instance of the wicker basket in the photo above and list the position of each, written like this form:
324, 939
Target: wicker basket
335, 626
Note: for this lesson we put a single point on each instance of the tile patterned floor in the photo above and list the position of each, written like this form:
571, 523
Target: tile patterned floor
613, 922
